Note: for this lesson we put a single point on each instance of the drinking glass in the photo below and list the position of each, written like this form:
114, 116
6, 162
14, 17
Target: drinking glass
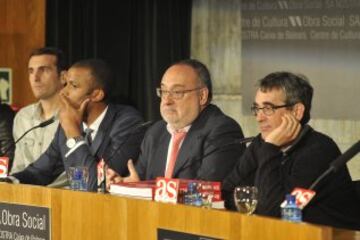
245, 198
78, 178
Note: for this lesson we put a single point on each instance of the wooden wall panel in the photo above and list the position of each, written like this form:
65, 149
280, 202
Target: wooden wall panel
22, 28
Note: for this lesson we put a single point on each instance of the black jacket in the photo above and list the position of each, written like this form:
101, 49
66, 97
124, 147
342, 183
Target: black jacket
276, 173
6, 137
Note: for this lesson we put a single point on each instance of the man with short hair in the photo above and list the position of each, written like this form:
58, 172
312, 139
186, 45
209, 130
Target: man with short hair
288, 153
46, 68
195, 139
115, 130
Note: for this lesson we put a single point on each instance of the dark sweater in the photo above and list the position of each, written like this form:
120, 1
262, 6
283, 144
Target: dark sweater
276, 173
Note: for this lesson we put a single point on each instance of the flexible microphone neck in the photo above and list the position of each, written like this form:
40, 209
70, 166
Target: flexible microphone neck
246, 140
345, 157
137, 129
338, 163
228, 144
46, 123
41, 125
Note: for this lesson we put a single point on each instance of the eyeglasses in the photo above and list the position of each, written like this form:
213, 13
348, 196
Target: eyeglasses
268, 110
177, 94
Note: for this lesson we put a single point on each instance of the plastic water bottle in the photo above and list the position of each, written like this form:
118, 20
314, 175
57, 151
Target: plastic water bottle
190, 194
291, 212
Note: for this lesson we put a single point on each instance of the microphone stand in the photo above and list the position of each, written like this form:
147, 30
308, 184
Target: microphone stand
41, 125
137, 129
337, 163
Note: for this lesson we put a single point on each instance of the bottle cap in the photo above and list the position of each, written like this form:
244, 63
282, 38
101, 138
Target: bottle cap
290, 198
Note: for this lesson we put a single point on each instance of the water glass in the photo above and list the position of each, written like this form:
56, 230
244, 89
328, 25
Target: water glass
245, 198
78, 178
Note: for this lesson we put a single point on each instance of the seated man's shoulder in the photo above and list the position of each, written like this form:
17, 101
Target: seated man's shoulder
322, 141
158, 126
122, 110
26, 111
216, 118
7, 114
322, 138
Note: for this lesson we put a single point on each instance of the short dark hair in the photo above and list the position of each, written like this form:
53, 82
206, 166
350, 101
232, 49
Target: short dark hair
202, 72
101, 72
295, 87
61, 63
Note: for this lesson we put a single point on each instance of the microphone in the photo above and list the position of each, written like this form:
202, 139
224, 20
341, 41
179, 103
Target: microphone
135, 130
234, 142
245, 140
41, 125
338, 162
345, 157
304, 196
104, 161
226, 144
45, 123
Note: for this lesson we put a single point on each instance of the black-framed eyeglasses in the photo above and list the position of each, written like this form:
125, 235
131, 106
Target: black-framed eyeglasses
174, 94
268, 110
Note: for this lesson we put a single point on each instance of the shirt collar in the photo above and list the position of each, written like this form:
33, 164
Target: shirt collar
38, 112
96, 124
172, 131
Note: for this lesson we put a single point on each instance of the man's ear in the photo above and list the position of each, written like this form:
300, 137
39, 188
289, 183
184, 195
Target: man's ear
204, 96
97, 95
63, 77
299, 110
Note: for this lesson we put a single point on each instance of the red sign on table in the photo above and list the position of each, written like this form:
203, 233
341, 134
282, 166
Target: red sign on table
4, 166
167, 190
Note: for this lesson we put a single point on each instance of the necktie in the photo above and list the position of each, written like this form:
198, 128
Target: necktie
177, 139
87, 136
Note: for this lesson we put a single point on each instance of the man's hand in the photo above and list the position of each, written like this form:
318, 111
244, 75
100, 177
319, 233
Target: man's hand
71, 117
114, 177
287, 131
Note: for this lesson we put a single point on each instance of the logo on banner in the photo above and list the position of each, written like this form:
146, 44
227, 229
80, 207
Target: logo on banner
101, 172
303, 197
166, 190
4, 165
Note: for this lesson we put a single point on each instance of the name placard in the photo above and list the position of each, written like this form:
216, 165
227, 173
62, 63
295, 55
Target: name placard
23, 222
164, 234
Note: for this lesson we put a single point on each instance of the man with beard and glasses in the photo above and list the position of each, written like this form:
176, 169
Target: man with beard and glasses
195, 139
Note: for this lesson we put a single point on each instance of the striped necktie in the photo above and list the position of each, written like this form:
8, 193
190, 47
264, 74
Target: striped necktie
87, 136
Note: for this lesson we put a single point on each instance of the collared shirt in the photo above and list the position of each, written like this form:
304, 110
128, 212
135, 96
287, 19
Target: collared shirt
29, 149
172, 131
94, 126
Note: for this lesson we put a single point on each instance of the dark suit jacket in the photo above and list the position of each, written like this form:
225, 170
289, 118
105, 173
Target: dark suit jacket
118, 139
209, 150
6, 137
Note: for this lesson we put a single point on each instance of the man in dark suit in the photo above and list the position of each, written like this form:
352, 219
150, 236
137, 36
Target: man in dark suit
208, 147
115, 135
